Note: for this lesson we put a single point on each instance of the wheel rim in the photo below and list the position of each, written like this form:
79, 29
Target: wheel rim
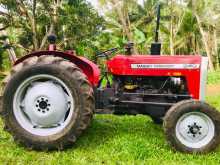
195, 129
43, 105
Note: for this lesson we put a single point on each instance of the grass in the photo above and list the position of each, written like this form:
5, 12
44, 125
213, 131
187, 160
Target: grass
112, 140
214, 77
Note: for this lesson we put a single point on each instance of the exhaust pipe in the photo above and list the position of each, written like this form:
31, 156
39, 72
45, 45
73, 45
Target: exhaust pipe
156, 46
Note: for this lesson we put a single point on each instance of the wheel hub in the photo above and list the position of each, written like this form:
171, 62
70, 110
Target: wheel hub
194, 129
45, 104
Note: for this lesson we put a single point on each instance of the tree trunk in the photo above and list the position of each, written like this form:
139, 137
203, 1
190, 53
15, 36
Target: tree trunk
172, 51
44, 40
215, 50
34, 27
205, 42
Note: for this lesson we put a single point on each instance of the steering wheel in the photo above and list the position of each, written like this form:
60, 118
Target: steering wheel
106, 53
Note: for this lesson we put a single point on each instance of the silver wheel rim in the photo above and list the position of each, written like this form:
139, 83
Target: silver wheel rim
195, 129
43, 105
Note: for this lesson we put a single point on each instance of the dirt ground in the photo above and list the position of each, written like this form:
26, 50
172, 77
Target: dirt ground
213, 90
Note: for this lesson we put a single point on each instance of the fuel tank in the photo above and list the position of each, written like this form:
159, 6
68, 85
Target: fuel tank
193, 68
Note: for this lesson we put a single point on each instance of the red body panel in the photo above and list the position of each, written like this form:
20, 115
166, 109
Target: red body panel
121, 65
90, 69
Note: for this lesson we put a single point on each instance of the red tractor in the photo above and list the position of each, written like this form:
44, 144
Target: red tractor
50, 97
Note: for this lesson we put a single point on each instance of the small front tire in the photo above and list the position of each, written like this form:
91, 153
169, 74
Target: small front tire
192, 127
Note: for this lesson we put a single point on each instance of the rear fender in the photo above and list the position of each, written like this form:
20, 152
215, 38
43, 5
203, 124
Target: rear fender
90, 69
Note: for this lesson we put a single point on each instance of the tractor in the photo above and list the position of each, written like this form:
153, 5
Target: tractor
50, 96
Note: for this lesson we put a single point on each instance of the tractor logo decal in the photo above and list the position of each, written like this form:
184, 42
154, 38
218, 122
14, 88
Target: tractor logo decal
165, 66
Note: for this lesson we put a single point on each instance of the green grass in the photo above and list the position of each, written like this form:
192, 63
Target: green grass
214, 77
113, 140
110, 140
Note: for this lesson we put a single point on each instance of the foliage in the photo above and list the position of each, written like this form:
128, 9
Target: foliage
74, 22
187, 27
181, 31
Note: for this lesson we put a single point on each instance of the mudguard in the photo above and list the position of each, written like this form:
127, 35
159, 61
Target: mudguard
90, 69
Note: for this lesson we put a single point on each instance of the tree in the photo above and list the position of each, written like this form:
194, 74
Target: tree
34, 20
187, 27
206, 18
130, 21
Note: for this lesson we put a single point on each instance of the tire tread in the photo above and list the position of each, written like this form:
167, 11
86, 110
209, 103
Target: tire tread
85, 87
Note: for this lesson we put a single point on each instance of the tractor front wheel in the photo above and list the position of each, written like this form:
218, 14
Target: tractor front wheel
192, 126
47, 103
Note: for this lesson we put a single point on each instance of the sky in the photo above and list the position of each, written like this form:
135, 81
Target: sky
95, 2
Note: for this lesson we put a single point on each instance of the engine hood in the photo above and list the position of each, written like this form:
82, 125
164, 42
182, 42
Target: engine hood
193, 68
140, 64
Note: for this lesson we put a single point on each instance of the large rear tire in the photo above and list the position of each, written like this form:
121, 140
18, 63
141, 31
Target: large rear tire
192, 126
47, 103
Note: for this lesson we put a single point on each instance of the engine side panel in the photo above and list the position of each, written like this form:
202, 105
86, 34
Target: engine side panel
140, 65
90, 69
150, 95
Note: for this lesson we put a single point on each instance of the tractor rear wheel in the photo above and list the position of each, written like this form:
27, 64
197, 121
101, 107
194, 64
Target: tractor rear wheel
47, 103
192, 126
